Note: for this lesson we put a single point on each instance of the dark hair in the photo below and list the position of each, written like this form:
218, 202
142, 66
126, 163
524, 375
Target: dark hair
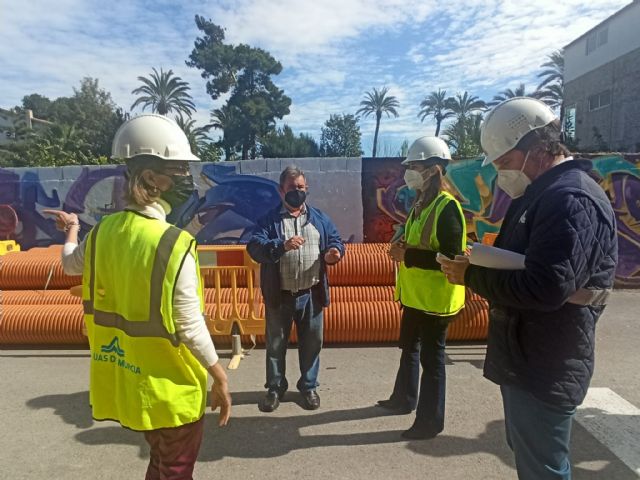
548, 138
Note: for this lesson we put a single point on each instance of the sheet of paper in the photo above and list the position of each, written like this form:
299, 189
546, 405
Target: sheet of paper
493, 257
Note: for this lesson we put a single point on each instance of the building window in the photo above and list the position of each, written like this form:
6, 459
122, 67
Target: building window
599, 100
597, 39
603, 36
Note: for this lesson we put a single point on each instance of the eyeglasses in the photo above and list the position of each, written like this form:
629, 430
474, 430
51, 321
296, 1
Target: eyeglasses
177, 170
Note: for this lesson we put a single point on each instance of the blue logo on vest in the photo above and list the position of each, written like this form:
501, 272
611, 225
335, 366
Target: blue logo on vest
107, 356
114, 346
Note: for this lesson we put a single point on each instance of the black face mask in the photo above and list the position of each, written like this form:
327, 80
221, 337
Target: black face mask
183, 188
295, 198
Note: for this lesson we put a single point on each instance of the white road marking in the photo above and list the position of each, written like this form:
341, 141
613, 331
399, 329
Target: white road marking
614, 422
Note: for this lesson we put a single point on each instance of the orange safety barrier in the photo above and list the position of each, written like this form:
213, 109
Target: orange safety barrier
232, 262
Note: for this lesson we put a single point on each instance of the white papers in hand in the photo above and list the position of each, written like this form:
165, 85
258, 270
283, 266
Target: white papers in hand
494, 257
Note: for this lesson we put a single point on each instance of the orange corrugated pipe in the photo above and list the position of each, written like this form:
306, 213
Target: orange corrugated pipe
38, 297
363, 313
338, 294
472, 323
33, 268
363, 269
34, 325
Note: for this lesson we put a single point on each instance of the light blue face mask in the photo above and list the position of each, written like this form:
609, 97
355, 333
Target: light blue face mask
514, 182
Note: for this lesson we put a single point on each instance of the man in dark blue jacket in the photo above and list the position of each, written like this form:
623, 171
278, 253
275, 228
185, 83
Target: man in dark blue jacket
540, 348
294, 243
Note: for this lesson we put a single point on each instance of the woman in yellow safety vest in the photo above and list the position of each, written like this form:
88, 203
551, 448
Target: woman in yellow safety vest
143, 303
429, 302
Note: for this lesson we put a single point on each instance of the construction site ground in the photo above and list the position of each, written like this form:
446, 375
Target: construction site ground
48, 432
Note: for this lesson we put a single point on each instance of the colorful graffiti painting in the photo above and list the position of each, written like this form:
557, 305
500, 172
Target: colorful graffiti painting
386, 201
224, 211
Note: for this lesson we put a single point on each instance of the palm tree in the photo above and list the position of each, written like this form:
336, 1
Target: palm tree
224, 119
377, 102
464, 105
464, 136
552, 85
164, 92
520, 91
435, 105
197, 136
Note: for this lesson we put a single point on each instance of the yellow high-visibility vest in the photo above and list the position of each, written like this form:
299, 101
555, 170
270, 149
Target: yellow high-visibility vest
140, 375
429, 290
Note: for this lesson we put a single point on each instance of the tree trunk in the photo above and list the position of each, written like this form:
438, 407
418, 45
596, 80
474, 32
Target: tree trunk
438, 122
375, 136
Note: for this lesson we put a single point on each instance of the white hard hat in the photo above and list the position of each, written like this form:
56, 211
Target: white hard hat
508, 122
154, 135
426, 148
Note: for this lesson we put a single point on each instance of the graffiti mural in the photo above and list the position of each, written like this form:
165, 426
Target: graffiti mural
223, 211
227, 205
386, 201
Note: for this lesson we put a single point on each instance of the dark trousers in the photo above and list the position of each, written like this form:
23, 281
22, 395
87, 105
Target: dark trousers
422, 340
307, 315
539, 434
174, 451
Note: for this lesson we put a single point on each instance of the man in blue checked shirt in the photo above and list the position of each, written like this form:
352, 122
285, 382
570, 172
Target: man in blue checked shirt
294, 243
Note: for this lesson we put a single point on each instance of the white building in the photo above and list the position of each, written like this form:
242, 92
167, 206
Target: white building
602, 83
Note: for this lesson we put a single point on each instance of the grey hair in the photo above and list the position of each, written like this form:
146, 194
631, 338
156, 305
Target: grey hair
291, 171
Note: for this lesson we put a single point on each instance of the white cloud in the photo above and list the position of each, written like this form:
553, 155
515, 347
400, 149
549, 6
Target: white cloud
332, 51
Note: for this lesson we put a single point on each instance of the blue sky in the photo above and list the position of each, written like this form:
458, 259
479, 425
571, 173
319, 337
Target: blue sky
332, 51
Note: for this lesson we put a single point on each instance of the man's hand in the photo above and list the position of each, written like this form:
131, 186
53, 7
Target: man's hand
64, 220
332, 256
294, 243
220, 396
397, 251
455, 269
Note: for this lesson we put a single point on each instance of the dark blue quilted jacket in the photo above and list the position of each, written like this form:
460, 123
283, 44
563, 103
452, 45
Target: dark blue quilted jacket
565, 226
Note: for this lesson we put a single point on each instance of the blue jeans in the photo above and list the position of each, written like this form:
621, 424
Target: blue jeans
422, 340
539, 434
307, 314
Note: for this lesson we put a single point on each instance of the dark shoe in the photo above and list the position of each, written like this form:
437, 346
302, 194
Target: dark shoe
281, 393
393, 408
269, 403
310, 400
419, 432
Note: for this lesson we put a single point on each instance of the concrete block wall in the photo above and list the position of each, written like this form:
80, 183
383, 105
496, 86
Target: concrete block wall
335, 186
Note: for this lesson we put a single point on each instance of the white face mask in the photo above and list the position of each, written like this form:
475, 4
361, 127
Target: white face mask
413, 179
514, 182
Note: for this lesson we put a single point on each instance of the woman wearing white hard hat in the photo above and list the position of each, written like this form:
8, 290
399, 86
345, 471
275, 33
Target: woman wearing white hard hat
434, 225
143, 303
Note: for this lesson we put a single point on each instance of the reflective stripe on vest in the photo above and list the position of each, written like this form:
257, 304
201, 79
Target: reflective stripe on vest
422, 289
154, 327
140, 374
